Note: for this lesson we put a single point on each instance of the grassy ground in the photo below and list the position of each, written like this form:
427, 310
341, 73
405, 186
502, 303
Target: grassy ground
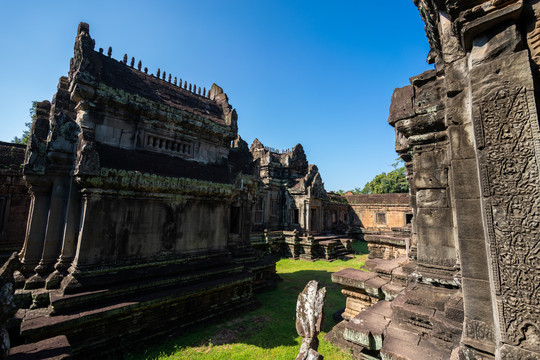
267, 332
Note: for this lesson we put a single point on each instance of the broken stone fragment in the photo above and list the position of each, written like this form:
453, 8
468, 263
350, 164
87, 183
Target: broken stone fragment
309, 317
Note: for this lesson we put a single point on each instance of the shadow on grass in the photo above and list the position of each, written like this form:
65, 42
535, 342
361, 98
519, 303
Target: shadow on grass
360, 247
272, 324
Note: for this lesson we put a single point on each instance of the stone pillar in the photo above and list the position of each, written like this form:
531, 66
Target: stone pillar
69, 243
307, 216
36, 228
465, 196
55, 225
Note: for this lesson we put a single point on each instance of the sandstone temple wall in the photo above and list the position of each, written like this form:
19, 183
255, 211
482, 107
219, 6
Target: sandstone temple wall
379, 211
14, 198
469, 133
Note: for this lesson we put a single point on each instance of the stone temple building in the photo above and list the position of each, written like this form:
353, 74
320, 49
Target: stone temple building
291, 194
469, 133
295, 215
140, 213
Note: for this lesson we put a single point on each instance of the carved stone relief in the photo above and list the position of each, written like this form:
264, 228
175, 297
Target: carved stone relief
509, 171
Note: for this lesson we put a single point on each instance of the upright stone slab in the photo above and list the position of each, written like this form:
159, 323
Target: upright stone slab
508, 142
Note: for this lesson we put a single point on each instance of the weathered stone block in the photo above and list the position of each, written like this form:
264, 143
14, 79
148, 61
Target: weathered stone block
432, 198
492, 44
478, 295
435, 237
402, 104
469, 219
427, 179
473, 258
465, 179
462, 141
431, 121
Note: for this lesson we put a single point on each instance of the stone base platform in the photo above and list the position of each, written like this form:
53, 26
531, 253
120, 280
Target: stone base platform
326, 247
110, 319
386, 245
390, 316
311, 247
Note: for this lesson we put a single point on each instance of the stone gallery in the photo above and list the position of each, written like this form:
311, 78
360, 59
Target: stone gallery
147, 210
469, 134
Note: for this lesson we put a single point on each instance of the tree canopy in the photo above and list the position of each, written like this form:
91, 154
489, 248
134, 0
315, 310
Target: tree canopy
26, 133
393, 182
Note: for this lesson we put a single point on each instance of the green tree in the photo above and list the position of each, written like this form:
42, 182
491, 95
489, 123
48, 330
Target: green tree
393, 182
26, 133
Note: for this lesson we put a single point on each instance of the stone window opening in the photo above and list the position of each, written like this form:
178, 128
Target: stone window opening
274, 208
172, 146
408, 219
259, 211
380, 218
235, 220
4, 214
296, 216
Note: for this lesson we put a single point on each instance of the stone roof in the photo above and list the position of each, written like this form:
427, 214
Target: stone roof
118, 75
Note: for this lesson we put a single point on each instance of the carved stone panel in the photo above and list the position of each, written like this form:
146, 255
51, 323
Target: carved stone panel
505, 109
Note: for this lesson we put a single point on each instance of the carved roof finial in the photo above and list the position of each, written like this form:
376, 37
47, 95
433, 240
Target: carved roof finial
125, 59
204, 92
175, 80
146, 70
101, 50
185, 85
132, 62
109, 52
139, 65
190, 87
199, 90
169, 77
164, 75
158, 73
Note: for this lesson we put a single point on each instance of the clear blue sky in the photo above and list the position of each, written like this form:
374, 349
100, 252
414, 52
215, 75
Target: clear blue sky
319, 73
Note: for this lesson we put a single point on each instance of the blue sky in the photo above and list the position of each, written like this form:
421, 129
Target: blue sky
319, 73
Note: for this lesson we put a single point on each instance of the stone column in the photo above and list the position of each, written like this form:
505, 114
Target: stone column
69, 243
36, 228
55, 224
307, 216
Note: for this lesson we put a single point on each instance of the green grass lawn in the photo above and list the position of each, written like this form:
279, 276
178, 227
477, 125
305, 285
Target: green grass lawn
267, 332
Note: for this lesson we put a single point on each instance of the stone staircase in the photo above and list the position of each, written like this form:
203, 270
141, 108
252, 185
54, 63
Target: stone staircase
390, 316
339, 247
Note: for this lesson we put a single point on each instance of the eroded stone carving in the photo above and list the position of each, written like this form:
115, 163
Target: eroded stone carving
309, 318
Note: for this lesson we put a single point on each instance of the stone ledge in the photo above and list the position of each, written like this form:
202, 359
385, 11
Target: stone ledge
352, 278
55, 348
